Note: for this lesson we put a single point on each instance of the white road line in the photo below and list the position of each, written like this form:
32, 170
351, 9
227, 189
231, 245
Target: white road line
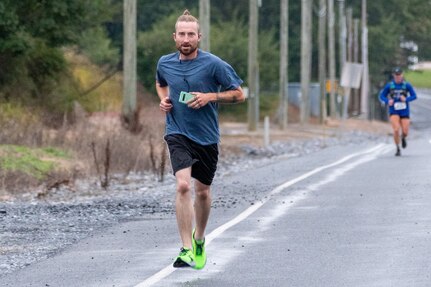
157, 277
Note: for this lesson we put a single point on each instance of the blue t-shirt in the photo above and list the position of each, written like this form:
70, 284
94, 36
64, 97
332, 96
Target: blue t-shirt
206, 73
394, 91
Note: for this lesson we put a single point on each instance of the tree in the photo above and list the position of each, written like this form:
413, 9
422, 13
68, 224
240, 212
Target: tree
33, 33
228, 41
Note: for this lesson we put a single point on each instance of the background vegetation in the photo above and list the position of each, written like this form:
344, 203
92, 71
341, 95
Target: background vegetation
35, 71
60, 62
419, 79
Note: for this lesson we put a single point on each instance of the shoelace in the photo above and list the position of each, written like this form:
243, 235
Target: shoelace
183, 251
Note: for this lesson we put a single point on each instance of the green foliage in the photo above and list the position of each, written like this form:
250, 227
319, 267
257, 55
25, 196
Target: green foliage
106, 97
385, 46
419, 79
44, 63
228, 41
150, 12
33, 32
153, 44
98, 47
391, 21
269, 59
60, 22
29, 161
33, 67
17, 112
54, 152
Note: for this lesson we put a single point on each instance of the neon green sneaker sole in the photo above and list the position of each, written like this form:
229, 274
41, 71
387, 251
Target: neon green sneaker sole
199, 252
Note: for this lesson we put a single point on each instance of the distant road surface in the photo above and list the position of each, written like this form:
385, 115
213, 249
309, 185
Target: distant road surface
351, 215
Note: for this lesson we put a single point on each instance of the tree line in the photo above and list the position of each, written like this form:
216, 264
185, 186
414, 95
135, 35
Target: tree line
35, 33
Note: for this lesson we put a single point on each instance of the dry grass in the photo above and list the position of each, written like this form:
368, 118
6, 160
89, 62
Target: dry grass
93, 133
101, 136
86, 140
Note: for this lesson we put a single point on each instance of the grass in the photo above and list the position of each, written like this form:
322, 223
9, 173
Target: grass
16, 112
419, 79
37, 162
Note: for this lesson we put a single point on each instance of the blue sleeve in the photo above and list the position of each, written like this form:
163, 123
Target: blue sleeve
227, 76
412, 94
159, 76
383, 96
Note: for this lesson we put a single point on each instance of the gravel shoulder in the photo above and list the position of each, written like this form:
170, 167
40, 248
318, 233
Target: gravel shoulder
34, 228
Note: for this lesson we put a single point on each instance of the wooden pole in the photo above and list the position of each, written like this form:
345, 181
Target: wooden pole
349, 21
365, 76
331, 44
284, 103
129, 63
253, 67
355, 99
322, 59
306, 6
204, 23
343, 34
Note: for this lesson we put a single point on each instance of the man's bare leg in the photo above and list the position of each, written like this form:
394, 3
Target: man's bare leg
184, 206
202, 208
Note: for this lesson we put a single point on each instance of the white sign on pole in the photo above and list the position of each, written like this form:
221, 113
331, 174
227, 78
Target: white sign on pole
351, 75
350, 78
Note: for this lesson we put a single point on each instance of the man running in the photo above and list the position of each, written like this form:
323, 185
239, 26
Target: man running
190, 84
397, 94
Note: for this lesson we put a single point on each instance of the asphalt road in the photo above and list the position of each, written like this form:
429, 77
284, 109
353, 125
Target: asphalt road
351, 215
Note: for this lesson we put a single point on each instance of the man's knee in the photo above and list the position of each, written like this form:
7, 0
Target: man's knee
203, 194
183, 186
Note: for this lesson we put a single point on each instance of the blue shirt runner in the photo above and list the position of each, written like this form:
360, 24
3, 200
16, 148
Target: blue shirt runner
394, 91
206, 73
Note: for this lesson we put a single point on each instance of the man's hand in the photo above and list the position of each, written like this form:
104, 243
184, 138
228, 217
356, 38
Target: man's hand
199, 100
391, 102
403, 98
165, 105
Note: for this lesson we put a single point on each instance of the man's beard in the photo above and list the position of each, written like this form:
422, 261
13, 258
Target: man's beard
188, 50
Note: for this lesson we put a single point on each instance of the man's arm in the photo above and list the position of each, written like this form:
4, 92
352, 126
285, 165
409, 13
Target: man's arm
163, 93
226, 97
230, 96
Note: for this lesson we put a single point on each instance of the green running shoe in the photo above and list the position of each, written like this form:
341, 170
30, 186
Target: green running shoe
199, 252
185, 259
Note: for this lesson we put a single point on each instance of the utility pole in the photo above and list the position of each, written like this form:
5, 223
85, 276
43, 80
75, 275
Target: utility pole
356, 40
349, 21
343, 36
356, 101
284, 98
204, 23
129, 63
365, 76
322, 59
331, 43
253, 67
306, 7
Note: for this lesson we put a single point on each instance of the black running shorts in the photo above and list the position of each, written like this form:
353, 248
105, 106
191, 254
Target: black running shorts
186, 153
